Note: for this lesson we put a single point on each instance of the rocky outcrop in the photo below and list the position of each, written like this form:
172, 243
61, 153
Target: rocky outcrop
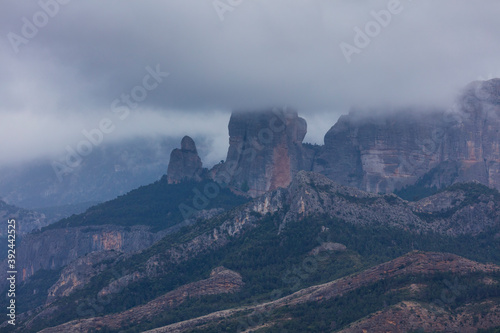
265, 151
185, 164
312, 194
383, 151
221, 281
446, 212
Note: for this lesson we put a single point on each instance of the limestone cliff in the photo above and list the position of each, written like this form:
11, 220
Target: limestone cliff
384, 151
265, 150
57, 248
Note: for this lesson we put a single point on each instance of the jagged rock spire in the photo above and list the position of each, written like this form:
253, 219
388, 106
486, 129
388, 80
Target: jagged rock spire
185, 164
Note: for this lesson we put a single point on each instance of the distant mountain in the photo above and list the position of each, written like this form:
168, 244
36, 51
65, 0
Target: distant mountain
110, 170
26, 220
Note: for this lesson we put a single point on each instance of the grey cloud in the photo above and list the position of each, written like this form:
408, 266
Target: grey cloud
264, 53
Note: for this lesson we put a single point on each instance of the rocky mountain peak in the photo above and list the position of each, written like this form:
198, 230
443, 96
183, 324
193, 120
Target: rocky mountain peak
265, 150
188, 145
185, 164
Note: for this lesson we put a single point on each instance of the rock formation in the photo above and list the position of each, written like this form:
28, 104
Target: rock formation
185, 164
381, 152
376, 151
265, 151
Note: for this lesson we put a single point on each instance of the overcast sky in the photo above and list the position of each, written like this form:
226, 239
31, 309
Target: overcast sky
66, 75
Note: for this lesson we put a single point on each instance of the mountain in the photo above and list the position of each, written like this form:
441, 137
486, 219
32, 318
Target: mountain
127, 224
405, 282
265, 151
111, 169
290, 246
287, 236
381, 151
184, 164
26, 220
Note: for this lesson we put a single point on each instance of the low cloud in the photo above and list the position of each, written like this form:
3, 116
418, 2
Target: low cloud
262, 54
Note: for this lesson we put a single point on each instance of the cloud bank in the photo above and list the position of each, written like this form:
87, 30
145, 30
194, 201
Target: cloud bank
64, 63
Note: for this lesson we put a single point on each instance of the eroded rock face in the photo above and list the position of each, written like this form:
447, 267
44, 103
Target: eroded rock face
185, 164
381, 152
479, 147
57, 248
265, 151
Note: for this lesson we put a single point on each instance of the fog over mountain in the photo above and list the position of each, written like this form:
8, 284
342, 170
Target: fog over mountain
67, 66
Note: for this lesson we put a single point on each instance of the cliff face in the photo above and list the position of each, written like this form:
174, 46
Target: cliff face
185, 164
386, 151
57, 248
379, 152
376, 151
265, 151
479, 145
79, 272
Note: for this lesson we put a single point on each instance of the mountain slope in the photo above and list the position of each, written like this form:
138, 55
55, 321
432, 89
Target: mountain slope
279, 243
127, 224
420, 267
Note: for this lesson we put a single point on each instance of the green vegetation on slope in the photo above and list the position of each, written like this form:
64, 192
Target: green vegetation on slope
338, 312
159, 205
271, 264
